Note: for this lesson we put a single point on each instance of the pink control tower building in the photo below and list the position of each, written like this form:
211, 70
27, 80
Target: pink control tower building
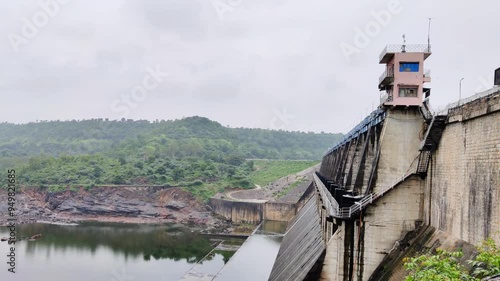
404, 76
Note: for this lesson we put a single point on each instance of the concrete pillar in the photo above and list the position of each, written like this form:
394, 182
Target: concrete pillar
370, 158
348, 160
356, 160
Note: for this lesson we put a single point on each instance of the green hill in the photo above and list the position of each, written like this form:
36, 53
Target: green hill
193, 152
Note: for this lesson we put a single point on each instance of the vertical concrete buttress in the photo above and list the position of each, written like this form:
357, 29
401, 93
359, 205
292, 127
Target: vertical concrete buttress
360, 244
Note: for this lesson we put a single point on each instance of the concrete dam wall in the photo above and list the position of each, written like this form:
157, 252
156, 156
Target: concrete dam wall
251, 212
463, 185
372, 164
235, 211
399, 172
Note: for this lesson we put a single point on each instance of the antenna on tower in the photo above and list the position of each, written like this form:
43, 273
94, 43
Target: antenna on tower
429, 36
404, 44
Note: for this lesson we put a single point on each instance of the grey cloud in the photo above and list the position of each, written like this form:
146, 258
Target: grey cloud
264, 55
182, 17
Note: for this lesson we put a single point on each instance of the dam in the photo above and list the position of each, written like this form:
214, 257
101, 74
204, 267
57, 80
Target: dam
405, 177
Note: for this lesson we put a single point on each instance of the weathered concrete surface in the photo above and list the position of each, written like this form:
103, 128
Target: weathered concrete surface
236, 211
351, 163
459, 196
255, 212
400, 141
388, 221
275, 211
463, 183
426, 240
252, 212
301, 247
358, 247
332, 263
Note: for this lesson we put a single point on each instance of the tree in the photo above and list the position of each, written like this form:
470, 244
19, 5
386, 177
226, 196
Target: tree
487, 263
443, 266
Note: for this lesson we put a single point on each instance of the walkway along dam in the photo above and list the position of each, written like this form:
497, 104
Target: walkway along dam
405, 179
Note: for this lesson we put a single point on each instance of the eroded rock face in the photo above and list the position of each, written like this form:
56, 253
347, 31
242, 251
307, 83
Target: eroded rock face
175, 205
124, 204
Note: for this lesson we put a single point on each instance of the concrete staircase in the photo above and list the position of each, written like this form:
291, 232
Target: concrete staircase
423, 162
430, 143
434, 133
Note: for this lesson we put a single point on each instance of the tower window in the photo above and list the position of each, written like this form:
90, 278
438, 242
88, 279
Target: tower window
408, 92
408, 67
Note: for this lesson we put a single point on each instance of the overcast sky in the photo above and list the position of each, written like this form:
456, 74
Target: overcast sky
294, 65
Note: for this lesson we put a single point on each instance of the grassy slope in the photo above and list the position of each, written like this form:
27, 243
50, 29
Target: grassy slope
267, 171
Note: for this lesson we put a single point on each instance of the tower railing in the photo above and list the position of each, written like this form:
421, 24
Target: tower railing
402, 48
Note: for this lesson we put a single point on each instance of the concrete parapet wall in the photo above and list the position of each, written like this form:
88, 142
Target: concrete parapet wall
237, 211
276, 211
251, 212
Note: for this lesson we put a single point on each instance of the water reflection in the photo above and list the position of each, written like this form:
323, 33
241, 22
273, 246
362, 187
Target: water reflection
96, 251
272, 227
255, 259
158, 242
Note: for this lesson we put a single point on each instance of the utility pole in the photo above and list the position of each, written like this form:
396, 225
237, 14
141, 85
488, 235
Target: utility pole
460, 91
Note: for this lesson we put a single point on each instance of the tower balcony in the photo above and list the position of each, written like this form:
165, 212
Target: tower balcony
427, 75
390, 50
386, 78
386, 97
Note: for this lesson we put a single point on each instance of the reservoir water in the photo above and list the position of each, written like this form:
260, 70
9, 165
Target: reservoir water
255, 259
129, 252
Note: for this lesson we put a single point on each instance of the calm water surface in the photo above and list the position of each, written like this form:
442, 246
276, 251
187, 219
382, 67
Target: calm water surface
255, 259
109, 252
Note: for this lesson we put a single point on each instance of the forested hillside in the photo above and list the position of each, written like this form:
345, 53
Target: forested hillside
193, 151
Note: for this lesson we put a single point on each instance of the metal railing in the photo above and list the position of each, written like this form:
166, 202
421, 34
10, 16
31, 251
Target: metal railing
427, 109
375, 118
444, 111
358, 206
332, 205
426, 136
412, 48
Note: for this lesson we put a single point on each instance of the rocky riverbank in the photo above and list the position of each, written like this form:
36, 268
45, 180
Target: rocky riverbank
112, 204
